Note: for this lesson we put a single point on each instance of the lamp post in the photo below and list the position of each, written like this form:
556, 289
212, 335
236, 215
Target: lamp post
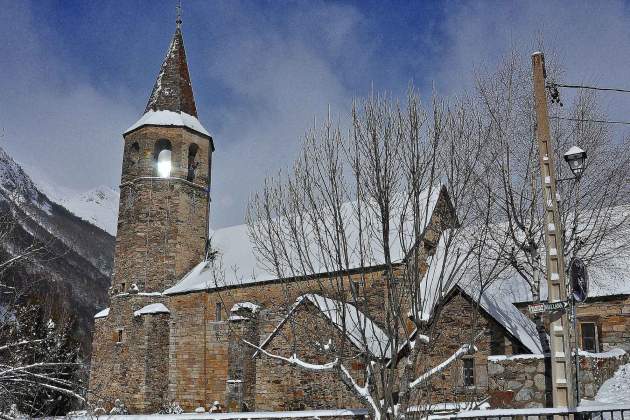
576, 159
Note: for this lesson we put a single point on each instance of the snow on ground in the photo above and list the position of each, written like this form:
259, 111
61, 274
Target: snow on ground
341, 413
616, 390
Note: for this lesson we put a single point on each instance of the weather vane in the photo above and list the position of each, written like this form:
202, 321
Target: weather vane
178, 7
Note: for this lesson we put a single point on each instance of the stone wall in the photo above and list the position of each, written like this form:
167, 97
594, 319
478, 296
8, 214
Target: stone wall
519, 381
280, 387
162, 222
132, 366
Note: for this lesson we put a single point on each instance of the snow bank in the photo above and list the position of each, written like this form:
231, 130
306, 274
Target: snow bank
102, 314
154, 308
169, 118
497, 359
350, 413
616, 390
614, 353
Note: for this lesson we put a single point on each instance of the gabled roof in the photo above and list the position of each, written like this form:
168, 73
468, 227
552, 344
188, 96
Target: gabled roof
360, 330
496, 299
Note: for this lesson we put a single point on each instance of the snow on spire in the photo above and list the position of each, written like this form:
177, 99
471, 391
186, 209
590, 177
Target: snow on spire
172, 90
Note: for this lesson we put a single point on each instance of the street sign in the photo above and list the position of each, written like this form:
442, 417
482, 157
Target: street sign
579, 279
539, 308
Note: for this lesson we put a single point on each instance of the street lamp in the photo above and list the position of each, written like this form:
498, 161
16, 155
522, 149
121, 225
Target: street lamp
576, 158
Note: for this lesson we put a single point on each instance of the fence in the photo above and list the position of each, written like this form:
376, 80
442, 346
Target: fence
601, 412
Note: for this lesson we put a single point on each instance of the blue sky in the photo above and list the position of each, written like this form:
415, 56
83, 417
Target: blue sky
76, 74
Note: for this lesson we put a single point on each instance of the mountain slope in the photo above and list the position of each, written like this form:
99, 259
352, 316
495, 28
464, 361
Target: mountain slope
71, 276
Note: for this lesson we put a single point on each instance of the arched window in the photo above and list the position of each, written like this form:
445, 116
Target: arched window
192, 164
162, 158
134, 152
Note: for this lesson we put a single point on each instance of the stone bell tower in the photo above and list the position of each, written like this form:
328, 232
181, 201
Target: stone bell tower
163, 213
162, 234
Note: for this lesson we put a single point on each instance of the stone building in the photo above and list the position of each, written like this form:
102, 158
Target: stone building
174, 330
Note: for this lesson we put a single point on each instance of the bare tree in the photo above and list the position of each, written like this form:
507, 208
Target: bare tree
593, 208
362, 206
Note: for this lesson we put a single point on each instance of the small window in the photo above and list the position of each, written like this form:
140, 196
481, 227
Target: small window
122, 287
354, 288
589, 336
134, 152
469, 371
218, 311
192, 163
119, 335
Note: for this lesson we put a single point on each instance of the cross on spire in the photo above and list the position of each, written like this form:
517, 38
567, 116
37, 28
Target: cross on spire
178, 7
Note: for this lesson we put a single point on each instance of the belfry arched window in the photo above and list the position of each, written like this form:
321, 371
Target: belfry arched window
162, 158
192, 163
134, 152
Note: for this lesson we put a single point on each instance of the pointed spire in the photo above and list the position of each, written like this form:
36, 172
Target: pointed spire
172, 90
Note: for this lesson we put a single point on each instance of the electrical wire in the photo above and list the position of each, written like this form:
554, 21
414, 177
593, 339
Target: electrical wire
551, 84
588, 120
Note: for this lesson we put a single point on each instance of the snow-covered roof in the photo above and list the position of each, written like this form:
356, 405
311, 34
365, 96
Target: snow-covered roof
237, 254
359, 329
447, 271
245, 305
154, 308
169, 118
102, 314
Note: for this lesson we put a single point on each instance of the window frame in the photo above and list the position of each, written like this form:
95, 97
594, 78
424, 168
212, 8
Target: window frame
595, 337
218, 312
470, 369
120, 335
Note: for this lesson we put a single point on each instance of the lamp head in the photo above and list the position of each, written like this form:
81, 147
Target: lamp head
576, 158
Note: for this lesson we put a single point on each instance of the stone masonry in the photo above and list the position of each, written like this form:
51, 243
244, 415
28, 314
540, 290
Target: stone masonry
519, 381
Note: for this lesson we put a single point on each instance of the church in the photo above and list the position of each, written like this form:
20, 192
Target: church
172, 333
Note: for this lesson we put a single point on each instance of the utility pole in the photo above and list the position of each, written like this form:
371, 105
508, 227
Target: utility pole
556, 286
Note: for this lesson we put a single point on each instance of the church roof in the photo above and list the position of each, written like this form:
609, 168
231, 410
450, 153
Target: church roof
236, 252
172, 102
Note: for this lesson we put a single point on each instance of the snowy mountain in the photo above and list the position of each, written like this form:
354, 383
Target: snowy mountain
70, 276
98, 206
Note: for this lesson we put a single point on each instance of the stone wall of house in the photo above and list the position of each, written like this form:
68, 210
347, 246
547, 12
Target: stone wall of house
458, 322
135, 368
280, 387
519, 381
196, 331
611, 315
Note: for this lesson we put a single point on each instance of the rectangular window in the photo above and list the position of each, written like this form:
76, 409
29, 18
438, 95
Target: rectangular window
119, 335
469, 371
218, 311
354, 288
589, 336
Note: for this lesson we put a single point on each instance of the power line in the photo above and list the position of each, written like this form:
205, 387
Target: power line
588, 120
587, 87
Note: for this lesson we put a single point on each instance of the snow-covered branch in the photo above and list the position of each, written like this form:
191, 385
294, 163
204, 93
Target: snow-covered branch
465, 349
296, 361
